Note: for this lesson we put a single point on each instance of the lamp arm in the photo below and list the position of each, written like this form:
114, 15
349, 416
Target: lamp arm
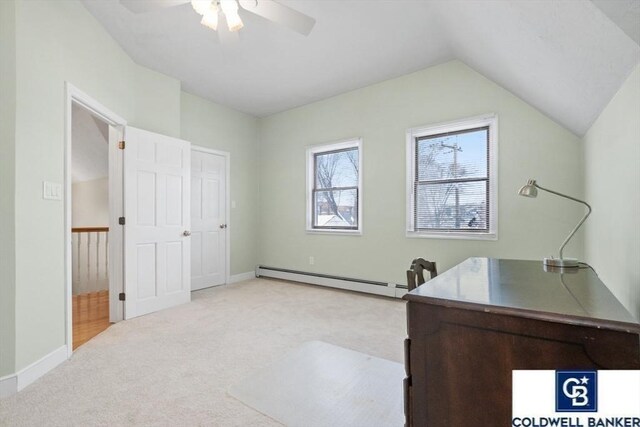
581, 221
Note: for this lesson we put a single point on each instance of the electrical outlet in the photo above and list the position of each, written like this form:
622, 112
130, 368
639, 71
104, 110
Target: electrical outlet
312, 260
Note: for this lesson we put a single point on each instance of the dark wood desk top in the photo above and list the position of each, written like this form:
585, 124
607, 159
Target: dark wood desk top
523, 288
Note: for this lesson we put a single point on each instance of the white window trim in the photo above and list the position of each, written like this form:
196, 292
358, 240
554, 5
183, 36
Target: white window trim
490, 120
320, 148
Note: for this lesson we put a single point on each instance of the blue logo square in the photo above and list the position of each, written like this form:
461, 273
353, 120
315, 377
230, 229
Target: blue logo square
576, 391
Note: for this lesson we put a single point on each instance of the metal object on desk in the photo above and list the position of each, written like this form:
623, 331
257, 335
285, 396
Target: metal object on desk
531, 190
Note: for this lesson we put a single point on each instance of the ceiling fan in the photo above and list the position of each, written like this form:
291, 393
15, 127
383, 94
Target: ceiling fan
211, 9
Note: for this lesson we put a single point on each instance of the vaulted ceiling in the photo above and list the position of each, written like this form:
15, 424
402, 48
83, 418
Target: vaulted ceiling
565, 57
89, 153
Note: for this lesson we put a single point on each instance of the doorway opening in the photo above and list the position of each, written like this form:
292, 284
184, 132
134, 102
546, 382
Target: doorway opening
94, 253
147, 181
89, 224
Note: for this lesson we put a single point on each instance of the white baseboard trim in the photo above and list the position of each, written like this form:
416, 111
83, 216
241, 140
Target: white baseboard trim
357, 285
8, 385
241, 277
12, 384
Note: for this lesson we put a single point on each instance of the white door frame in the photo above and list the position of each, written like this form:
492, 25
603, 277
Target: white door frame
227, 190
75, 95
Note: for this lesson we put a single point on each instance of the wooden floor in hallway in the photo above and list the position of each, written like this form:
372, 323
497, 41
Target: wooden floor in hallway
90, 316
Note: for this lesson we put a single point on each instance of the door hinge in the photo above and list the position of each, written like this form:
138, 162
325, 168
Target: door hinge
121, 296
121, 145
121, 220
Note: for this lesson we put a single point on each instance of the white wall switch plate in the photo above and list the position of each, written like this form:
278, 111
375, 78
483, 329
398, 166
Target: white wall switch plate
51, 190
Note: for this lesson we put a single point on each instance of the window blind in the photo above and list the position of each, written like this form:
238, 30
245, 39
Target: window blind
451, 182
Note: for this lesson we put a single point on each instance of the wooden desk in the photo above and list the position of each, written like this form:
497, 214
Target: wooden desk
472, 325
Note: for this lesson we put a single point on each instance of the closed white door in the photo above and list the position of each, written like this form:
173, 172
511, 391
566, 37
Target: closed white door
208, 219
157, 219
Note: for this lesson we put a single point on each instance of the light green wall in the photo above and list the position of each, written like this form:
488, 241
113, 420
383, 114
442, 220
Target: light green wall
58, 41
530, 145
612, 176
7, 186
156, 102
221, 128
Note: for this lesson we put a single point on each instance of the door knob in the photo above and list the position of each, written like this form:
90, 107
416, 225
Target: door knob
186, 233
223, 225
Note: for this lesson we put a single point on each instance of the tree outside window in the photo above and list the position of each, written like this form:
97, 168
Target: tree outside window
335, 187
451, 179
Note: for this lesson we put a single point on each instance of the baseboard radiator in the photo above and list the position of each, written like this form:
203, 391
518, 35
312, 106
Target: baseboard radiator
351, 284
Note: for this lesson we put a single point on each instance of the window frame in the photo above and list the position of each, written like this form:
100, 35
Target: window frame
319, 149
413, 134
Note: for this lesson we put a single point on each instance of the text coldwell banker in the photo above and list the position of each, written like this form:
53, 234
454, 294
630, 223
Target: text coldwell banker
576, 422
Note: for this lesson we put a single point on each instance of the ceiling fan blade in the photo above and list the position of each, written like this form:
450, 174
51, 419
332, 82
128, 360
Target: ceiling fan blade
143, 6
280, 14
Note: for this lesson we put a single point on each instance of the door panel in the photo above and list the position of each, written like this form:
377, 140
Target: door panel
208, 202
146, 271
196, 255
211, 251
174, 269
116, 233
146, 200
174, 200
157, 211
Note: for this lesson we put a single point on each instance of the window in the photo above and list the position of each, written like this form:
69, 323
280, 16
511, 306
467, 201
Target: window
334, 187
452, 180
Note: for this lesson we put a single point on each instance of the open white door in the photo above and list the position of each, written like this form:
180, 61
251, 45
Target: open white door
157, 219
116, 233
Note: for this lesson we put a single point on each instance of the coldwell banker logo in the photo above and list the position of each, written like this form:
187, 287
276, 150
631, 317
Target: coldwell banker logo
586, 398
576, 391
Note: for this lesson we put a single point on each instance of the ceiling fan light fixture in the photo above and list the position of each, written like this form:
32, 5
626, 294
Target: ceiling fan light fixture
210, 18
201, 6
230, 10
234, 22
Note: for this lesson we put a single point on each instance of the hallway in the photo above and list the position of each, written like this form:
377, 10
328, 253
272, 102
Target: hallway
90, 316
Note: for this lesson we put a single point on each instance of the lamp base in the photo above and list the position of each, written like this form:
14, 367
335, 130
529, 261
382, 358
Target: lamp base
561, 262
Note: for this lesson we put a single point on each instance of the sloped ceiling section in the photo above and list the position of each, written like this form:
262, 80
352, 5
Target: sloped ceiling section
89, 151
565, 57
625, 13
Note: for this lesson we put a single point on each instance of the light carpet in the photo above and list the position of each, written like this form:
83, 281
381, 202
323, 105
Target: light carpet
321, 384
175, 367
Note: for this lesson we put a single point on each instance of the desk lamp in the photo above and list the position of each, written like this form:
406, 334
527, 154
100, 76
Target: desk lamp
531, 190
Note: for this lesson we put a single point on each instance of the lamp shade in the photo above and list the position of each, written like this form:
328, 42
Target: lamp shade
230, 10
201, 6
529, 190
233, 21
210, 18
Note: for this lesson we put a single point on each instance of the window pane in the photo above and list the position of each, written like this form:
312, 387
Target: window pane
458, 206
336, 209
461, 155
337, 169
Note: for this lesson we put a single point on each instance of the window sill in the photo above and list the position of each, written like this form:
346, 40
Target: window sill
335, 232
452, 235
